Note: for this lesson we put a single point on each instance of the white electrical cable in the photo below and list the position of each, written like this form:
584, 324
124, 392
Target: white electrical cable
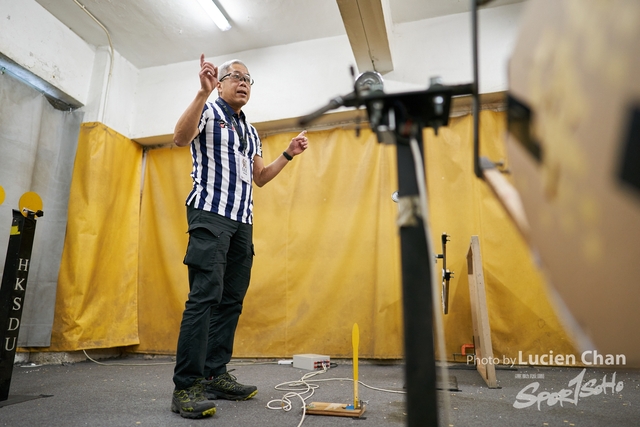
294, 390
232, 363
424, 207
304, 389
363, 384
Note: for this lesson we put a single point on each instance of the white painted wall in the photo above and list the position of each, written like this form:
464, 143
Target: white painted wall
112, 92
296, 79
442, 47
291, 80
33, 38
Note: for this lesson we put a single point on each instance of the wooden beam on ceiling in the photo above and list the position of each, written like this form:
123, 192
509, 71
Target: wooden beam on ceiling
365, 25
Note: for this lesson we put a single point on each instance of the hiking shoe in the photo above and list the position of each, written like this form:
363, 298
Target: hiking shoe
191, 403
225, 386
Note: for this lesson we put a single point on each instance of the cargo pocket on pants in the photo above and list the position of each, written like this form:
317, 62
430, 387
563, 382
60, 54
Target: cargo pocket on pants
201, 250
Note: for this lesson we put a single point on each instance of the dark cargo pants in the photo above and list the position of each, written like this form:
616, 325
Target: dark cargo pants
219, 259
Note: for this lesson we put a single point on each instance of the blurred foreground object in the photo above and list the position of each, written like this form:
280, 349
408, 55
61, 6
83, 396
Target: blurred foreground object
574, 149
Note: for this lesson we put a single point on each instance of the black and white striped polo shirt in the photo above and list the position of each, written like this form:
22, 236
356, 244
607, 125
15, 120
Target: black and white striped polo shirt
217, 154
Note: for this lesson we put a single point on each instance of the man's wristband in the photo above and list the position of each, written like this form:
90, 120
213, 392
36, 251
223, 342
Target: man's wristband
287, 156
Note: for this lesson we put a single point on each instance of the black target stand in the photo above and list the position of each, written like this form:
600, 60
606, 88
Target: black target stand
12, 293
398, 119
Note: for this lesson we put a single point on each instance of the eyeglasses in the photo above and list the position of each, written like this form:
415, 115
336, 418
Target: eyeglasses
236, 77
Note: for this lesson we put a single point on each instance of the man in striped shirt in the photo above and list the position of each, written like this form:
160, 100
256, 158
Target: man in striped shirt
227, 157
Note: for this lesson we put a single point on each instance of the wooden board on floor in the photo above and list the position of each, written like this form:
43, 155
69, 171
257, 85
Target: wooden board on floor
480, 315
335, 409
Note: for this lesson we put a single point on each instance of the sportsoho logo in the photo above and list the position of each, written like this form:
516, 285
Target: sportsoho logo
577, 388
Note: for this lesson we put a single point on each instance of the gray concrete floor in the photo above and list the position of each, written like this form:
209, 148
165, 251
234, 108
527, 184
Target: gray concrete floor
137, 392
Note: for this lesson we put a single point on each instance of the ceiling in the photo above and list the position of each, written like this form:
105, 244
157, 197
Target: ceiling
158, 32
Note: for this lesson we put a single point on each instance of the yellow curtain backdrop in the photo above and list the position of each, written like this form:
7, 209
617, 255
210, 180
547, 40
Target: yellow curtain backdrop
96, 299
520, 314
326, 251
326, 243
163, 286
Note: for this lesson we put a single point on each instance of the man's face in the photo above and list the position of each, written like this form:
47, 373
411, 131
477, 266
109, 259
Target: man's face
235, 92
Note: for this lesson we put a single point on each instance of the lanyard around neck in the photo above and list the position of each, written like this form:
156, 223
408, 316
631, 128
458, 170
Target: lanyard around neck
236, 123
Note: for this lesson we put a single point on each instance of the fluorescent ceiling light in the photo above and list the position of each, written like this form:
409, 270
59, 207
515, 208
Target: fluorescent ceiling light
216, 15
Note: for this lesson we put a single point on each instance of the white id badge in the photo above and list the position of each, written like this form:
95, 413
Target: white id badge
244, 170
